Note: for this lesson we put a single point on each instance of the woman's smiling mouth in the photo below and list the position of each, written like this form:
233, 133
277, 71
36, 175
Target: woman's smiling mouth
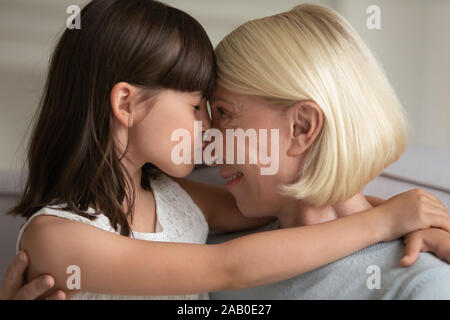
232, 178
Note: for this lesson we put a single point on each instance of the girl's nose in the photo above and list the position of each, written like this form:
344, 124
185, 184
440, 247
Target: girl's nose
206, 124
207, 139
206, 120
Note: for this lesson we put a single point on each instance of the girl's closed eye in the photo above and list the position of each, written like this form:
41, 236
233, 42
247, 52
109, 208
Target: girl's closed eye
198, 104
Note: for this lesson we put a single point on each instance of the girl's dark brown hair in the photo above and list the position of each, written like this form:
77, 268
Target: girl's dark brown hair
72, 159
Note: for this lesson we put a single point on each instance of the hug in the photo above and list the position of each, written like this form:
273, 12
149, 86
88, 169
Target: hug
104, 193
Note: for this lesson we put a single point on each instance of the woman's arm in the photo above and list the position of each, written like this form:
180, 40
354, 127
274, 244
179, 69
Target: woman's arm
110, 263
433, 240
219, 207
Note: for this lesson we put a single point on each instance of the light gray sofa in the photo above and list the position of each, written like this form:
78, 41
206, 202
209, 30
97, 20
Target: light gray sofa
420, 166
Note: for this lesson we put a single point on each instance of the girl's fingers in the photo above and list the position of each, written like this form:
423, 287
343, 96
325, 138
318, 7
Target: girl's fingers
437, 201
412, 250
438, 208
431, 199
440, 221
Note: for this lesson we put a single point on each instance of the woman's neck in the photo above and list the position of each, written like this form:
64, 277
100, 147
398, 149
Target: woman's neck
297, 213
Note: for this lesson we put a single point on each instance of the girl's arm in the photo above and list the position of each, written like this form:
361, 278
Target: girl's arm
222, 214
374, 201
111, 263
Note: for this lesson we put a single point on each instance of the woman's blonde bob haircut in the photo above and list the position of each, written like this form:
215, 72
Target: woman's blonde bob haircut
312, 53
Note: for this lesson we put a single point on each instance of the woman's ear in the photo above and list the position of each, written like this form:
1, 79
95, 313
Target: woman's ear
306, 121
121, 102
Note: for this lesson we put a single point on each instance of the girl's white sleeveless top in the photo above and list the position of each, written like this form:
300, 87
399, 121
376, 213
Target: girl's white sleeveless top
179, 219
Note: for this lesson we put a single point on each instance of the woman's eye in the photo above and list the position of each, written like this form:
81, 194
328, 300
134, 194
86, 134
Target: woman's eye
221, 110
197, 107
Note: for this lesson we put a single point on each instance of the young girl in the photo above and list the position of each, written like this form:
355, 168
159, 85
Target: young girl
99, 166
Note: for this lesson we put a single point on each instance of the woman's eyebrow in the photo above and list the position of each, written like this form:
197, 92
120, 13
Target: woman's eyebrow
216, 99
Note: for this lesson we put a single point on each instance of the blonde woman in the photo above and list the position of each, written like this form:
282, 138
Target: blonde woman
307, 73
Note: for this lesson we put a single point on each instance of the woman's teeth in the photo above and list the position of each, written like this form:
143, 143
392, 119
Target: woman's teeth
237, 175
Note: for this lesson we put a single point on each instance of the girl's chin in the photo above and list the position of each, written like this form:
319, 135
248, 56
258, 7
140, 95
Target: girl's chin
180, 171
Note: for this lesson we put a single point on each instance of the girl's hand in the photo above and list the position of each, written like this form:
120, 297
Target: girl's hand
411, 211
434, 240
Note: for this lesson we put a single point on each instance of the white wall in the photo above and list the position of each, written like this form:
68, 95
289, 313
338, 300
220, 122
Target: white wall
414, 48
413, 45
28, 30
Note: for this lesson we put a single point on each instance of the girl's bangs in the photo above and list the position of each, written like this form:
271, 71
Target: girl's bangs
193, 68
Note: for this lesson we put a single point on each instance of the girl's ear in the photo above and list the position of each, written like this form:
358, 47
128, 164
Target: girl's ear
121, 102
306, 121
